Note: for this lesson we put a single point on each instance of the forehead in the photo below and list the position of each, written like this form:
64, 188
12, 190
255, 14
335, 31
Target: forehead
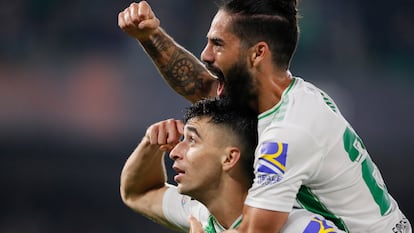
203, 127
208, 132
220, 26
198, 123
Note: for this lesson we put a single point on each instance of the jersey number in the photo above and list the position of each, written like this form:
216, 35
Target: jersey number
370, 173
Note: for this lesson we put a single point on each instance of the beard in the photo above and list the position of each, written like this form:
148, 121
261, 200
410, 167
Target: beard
240, 88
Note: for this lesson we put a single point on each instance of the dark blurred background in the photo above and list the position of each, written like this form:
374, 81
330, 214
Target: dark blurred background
77, 93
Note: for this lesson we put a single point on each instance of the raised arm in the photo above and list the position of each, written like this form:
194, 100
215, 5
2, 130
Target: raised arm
143, 178
180, 68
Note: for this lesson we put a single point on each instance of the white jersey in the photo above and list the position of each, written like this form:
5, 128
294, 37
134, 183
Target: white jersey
178, 207
308, 152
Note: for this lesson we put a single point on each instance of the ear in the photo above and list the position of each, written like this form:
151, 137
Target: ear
231, 158
259, 52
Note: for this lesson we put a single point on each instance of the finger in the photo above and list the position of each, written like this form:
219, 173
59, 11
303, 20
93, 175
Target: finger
162, 134
147, 19
173, 133
144, 11
149, 24
152, 133
121, 22
195, 225
134, 14
180, 127
126, 19
166, 147
176, 132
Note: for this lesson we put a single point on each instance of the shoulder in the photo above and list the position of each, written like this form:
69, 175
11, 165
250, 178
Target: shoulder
178, 207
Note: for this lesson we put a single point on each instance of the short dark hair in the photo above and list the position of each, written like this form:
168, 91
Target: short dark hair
241, 122
272, 21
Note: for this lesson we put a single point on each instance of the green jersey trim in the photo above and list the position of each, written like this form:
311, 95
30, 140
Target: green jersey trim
278, 105
212, 224
329, 101
311, 202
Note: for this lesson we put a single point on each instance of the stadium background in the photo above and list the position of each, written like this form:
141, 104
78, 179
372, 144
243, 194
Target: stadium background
76, 95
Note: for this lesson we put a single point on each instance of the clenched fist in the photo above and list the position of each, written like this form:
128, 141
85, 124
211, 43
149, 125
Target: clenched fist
139, 21
165, 134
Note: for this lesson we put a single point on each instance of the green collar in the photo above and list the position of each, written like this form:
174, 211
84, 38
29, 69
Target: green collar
212, 224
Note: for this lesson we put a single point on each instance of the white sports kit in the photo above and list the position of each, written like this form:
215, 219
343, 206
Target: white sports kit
308, 152
178, 207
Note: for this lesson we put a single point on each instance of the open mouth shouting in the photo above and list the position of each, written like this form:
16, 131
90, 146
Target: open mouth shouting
216, 72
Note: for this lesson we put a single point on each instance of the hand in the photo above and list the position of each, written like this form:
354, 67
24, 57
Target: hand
195, 225
166, 133
139, 21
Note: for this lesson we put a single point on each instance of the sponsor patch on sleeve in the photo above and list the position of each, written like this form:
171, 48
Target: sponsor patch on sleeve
272, 158
272, 162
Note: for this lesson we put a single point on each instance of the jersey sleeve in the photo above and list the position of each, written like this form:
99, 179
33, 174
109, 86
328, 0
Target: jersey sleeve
286, 157
177, 207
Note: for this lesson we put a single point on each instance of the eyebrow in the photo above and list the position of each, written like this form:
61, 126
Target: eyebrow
193, 129
216, 40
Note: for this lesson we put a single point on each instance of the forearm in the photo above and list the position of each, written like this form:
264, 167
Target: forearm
181, 69
144, 171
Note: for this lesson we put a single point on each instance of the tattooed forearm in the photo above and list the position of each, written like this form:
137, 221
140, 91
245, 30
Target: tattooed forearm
157, 48
183, 72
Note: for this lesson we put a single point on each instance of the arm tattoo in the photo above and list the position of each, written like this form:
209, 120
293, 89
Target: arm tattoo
183, 72
158, 47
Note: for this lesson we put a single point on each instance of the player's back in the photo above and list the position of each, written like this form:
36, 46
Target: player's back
347, 185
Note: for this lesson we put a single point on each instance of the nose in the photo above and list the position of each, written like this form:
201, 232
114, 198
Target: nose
207, 54
177, 152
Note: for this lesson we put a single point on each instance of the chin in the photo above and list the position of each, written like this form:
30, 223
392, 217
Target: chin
187, 191
182, 190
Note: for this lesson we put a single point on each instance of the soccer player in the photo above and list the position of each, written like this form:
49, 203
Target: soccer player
214, 166
307, 151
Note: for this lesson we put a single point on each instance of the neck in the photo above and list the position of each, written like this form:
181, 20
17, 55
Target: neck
228, 207
271, 89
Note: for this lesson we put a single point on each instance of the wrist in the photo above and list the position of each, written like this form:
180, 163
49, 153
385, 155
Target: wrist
149, 38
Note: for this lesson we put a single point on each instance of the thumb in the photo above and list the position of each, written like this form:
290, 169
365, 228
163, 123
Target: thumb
150, 24
195, 225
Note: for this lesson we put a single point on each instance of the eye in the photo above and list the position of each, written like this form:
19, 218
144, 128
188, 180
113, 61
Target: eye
191, 135
191, 139
217, 42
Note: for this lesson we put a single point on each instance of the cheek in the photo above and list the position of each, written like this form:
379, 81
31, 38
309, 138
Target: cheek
224, 65
208, 170
204, 166
222, 58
